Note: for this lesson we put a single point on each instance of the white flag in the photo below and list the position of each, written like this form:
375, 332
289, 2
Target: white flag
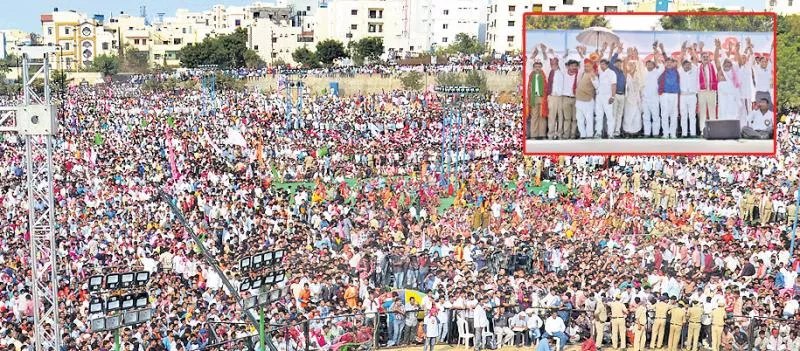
235, 137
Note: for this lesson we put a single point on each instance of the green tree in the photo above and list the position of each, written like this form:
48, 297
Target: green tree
305, 57
467, 45
370, 48
476, 79
225, 51
252, 60
449, 78
717, 23
412, 80
788, 61
108, 65
330, 50
564, 22
58, 81
135, 61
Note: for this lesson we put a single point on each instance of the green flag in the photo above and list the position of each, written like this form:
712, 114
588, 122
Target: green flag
98, 138
144, 122
171, 121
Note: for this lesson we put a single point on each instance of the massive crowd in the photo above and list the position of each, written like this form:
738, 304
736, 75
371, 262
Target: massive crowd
354, 190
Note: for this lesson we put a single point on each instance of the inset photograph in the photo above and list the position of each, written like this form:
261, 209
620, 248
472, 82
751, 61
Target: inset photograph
688, 84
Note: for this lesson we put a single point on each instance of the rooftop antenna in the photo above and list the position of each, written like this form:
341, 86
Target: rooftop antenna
161, 17
143, 14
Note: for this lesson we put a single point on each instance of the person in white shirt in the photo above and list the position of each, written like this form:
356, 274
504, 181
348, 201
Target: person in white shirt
555, 84
606, 85
790, 307
759, 122
690, 84
762, 74
480, 323
554, 326
651, 115
431, 324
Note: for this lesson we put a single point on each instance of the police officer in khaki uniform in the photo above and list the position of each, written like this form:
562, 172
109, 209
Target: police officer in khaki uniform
618, 313
765, 209
657, 336
637, 181
672, 197
600, 320
743, 206
677, 316
749, 200
791, 213
695, 315
717, 324
655, 190
640, 326
623, 186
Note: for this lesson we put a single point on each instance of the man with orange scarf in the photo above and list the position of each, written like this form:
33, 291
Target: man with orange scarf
537, 102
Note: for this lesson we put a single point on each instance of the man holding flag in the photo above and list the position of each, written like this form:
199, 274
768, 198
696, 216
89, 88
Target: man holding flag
537, 101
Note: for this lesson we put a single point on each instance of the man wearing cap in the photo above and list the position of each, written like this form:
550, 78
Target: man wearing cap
668, 91
600, 320
717, 324
640, 326
584, 99
537, 95
694, 317
431, 323
618, 314
657, 335
677, 316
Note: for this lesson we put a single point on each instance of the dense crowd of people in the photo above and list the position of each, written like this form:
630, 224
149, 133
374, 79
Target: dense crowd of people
488, 243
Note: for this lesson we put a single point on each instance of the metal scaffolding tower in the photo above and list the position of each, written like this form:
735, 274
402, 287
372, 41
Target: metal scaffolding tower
35, 121
293, 79
208, 83
453, 128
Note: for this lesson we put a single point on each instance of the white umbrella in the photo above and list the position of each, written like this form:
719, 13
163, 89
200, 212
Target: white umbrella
596, 36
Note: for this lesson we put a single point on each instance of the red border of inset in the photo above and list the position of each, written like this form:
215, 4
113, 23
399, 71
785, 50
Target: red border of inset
774, 79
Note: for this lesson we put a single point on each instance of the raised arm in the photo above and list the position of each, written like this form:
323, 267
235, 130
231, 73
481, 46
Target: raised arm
695, 52
717, 48
544, 51
581, 51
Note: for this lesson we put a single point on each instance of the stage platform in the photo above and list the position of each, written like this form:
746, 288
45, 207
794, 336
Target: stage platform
649, 146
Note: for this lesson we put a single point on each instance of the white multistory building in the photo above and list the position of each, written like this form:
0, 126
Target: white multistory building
77, 39
504, 18
783, 7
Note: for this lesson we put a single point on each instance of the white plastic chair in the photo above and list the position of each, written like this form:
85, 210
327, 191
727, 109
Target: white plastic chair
486, 335
463, 334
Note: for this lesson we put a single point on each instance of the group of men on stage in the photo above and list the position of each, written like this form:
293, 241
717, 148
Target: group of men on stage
599, 96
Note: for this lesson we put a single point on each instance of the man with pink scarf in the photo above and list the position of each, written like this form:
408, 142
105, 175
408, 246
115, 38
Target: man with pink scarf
707, 96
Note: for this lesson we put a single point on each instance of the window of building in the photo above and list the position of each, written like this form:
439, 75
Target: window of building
144, 41
354, 12
274, 39
568, 2
255, 47
237, 22
446, 12
537, 7
353, 26
157, 56
552, 8
178, 41
136, 41
274, 55
66, 30
614, 8
444, 26
585, 9
67, 46
105, 46
510, 38
375, 28
411, 48
511, 23
308, 8
791, 2
376, 14
49, 30
444, 39
130, 28
512, 8
184, 30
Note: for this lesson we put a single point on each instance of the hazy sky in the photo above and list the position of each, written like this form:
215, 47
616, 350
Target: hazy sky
25, 14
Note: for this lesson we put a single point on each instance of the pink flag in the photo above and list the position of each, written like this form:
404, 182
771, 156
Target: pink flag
175, 173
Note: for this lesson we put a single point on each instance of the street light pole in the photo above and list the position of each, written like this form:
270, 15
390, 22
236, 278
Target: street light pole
794, 226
